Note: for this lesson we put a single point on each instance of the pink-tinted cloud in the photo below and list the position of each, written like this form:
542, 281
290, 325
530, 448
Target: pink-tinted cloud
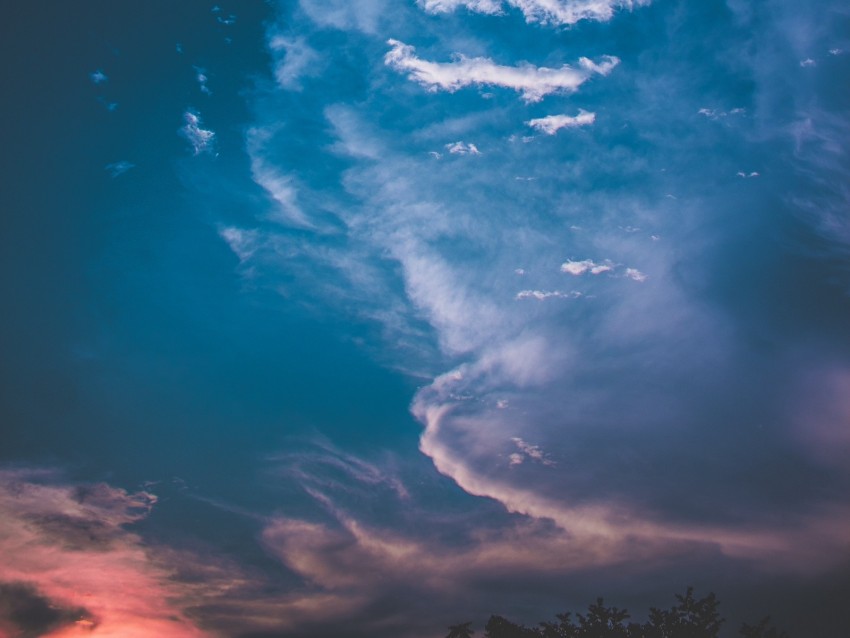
69, 543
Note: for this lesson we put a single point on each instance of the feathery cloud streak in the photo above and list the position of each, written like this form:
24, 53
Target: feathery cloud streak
551, 124
533, 83
557, 12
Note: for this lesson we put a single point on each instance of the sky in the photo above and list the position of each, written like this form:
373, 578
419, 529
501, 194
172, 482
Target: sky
368, 317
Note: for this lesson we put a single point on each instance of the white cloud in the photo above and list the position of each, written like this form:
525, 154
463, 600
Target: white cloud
516, 459
118, 168
98, 77
557, 12
551, 124
533, 83
747, 175
636, 275
542, 295
201, 77
715, 114
298, 60
364, 15
243, 243
276, 183
808, 62
586, 265
531, 451
200, 139
462, 148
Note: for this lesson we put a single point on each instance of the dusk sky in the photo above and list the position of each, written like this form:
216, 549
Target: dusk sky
348, 318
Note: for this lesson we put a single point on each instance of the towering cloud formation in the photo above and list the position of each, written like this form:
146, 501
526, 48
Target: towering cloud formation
619, 415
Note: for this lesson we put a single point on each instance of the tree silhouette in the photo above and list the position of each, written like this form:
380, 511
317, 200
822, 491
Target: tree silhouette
460, 631
498, 627
690, 617
762, 630
603, 622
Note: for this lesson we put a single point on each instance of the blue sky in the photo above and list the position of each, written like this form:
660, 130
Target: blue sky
370, 317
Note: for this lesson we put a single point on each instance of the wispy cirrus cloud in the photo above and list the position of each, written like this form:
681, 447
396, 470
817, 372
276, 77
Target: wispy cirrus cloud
295, 59
542, 295
551, 124
116, 169
556, 12
533, 83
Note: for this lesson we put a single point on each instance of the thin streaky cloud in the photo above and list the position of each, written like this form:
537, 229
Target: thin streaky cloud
555, 12
551, 124
542, 295
116, 169
532, 82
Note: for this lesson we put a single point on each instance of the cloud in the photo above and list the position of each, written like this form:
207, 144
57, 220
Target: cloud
115, 169
533, 83
66, 546
462, 148
276, 183
650, 398
201, 139
527, 450
201, 77
295, 59
244, 243
577, 268
715, 114
363, 15
556, 12
98, 77
551, 124
24, 611
542, 295
636, 275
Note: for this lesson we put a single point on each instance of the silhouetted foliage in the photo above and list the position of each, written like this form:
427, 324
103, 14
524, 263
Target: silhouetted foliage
603, 622
498, 627
460, 631
762, 630
691, 617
